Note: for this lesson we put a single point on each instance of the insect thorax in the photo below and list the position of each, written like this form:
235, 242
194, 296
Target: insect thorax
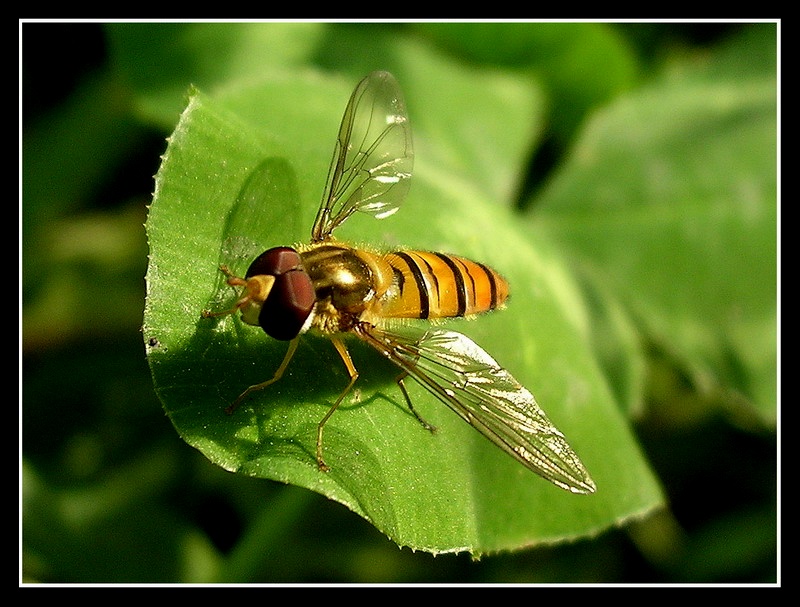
347, 282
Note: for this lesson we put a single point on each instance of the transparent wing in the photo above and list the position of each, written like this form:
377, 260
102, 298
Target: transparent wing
372, 159
471, 383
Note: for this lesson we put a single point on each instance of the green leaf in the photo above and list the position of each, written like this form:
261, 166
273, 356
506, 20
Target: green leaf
669, 202
452, 491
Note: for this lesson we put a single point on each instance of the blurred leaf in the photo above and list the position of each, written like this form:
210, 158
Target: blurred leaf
75, 146
158, 60
78, 261
82, 533
669, 201
448, 492
731, 547
83, 249
579, 64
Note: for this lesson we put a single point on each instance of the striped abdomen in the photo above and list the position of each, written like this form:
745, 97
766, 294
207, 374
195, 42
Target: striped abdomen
437, 285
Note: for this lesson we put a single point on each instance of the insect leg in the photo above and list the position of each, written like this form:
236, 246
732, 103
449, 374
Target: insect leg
353, 373
402, 386
233, 281
255, 288
278, 374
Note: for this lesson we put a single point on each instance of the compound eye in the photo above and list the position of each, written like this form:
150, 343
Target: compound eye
275, 261
288, 306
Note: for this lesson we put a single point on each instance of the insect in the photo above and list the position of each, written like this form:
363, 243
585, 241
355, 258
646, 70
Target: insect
334, 289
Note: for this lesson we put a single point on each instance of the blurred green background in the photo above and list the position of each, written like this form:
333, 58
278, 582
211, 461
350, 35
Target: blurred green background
109, 491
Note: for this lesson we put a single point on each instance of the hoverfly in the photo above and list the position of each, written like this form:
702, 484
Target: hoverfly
334, 289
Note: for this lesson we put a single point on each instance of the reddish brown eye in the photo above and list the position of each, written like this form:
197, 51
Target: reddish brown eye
288, 306
275, 261
292, 296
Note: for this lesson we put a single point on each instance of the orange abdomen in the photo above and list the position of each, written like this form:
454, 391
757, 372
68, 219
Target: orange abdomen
437, 285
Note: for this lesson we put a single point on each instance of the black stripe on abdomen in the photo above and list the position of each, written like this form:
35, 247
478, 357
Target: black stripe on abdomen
458, 278
419, 279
